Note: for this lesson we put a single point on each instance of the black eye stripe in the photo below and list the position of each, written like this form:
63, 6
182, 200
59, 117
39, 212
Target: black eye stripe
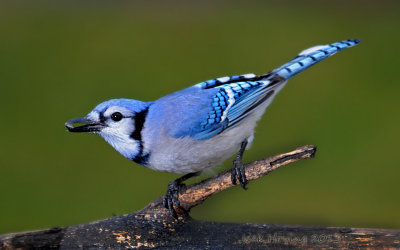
101, 117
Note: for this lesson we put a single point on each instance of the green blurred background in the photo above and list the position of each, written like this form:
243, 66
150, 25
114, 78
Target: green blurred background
58, 60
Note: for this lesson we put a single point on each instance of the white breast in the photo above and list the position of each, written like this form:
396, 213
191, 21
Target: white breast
187, 155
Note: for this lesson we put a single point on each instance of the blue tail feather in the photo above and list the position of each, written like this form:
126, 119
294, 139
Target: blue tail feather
311, 56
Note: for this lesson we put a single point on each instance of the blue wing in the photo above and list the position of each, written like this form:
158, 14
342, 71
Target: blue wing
234, 98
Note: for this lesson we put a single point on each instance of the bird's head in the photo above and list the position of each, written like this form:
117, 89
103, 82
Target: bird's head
118, 122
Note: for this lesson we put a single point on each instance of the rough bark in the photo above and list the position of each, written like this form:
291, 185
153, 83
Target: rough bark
154, 227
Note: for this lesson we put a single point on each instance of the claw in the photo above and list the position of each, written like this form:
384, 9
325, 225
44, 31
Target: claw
239, 173
171, 197
233, 175
238, 168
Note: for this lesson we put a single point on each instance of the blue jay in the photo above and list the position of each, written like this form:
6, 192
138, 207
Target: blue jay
198, 127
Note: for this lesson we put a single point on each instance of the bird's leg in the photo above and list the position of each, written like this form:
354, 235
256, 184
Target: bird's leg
174, 188
238, 167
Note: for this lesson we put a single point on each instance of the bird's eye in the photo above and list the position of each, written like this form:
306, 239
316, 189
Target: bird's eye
117, 116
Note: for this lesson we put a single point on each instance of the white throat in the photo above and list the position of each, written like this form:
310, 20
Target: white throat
127, 146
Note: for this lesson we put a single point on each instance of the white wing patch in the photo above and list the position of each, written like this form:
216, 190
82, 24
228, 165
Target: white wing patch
312, 49
223, 79
231, 101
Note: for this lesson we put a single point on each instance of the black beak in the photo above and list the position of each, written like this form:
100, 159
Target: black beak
87, 125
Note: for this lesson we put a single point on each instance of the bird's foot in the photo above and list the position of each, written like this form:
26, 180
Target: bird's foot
239, 173
171, 197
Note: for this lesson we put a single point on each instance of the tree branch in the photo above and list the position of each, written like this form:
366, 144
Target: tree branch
197, 193
153, 226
